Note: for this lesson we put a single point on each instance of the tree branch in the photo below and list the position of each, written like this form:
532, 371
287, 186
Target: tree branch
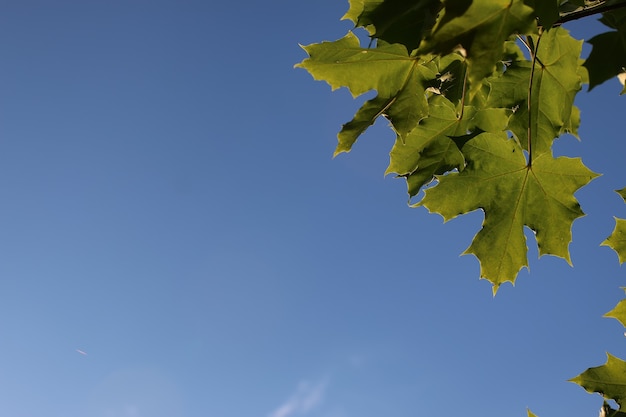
579, 14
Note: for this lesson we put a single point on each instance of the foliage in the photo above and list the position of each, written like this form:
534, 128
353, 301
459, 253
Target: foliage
617, 240
476, 92
608, 379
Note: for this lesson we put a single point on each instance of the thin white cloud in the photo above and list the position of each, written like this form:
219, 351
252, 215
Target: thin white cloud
306, 398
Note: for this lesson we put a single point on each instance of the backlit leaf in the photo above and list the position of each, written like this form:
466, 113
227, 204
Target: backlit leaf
617, 239
609, 380
557, 79
431, 149
512, 195
619, 312
471, 111
428, 149
344, 63
400, 81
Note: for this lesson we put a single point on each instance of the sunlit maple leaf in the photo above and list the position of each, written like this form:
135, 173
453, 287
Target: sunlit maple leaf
512, 194
609, 380
432, 148
617, 239
428, 149
556, 80
619, 312
399, 80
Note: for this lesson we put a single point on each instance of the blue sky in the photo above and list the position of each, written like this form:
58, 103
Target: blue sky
177, 241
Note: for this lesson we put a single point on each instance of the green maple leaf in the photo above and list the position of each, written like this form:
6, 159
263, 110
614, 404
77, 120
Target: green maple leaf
498, 180
432, 148
480, 27
344, 63
608, 55
429, 149
619, 312
395, 21
400, 81
617, 239
557, 78
547, 11
609, 380
364, 118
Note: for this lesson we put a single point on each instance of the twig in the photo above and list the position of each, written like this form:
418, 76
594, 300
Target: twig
602, 8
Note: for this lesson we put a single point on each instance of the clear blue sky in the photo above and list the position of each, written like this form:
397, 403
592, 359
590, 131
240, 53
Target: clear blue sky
176, 240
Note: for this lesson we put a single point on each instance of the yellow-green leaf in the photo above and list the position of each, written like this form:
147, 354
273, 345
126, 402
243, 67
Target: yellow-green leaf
399, 80
619, 312
428, 149
609, 380
498, 180
344, 63
617, 239
557, 79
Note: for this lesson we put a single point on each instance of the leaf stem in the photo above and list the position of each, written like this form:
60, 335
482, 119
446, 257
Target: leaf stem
464, 92
533, 53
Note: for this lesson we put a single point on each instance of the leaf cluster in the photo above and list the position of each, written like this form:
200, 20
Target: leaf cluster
476, 93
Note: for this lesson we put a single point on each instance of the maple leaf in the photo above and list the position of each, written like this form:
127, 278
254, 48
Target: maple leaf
609, 380
395, 21
557, 79
619, 312
480, 27
428, 149
400, 81
432, 149
547, 11
512, 194
617, 239
608, 55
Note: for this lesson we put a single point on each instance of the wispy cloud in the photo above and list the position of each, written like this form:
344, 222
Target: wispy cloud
306, 398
